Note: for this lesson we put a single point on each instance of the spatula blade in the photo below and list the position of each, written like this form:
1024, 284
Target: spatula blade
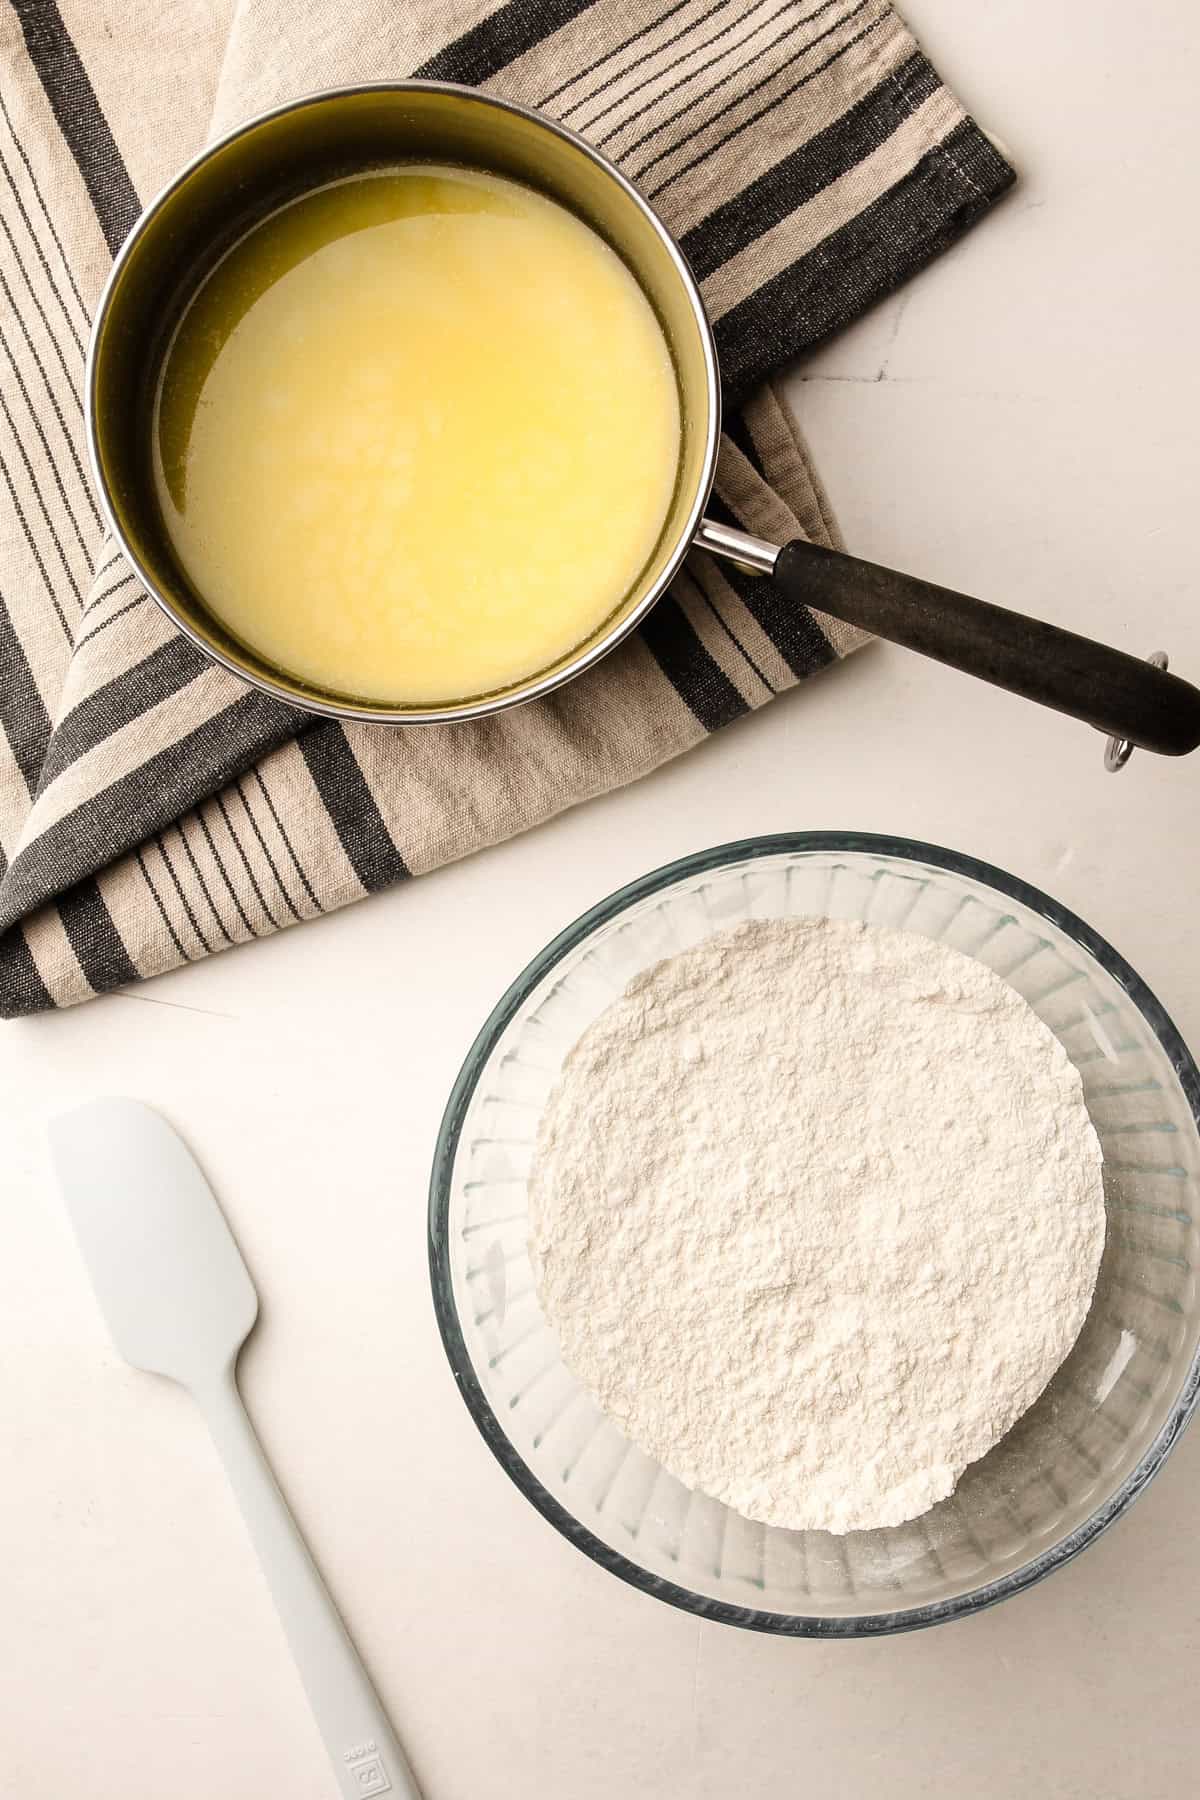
171, 1283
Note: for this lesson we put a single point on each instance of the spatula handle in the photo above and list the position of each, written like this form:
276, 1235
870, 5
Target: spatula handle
366, 1756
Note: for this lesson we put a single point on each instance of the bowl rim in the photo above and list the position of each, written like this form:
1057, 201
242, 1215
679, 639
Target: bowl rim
275, 682
481, 1410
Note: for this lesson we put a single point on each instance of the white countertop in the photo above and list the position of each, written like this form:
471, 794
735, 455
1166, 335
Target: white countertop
1019, 422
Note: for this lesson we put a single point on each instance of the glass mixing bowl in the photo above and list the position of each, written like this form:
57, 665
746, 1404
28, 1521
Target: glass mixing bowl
1064, 1472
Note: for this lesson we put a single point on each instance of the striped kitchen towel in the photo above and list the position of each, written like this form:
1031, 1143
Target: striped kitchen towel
154, 809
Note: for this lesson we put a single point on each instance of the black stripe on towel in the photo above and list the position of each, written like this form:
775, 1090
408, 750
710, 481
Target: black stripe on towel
23, 716
252, 878
694, 107
351, 806
181, 894
271, 863
142, 802
122, 700
136, 690
94, 938
811, 167
163, 914
706, 122
916, 218
201, 883
80, 119
34, 549
608, 56
697, 678
696, 48
46, 215
791, 628
288, 845
22, 990
500, 39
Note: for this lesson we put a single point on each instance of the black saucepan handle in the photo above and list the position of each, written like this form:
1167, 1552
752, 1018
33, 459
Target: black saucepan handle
1116, 693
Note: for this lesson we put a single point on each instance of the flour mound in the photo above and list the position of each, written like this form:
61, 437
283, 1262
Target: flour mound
816, 1212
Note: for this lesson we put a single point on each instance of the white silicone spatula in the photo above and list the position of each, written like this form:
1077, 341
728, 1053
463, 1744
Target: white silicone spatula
179, 1302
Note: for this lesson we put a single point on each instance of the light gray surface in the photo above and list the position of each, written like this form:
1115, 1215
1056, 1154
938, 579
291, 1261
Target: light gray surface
1032, 440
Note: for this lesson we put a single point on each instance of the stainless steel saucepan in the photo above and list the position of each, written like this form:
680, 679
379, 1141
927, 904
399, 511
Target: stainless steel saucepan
214, 199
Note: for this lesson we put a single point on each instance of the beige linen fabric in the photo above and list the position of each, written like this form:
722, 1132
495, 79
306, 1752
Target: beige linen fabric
152, 808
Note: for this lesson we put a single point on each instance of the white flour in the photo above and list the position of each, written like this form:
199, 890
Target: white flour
817, 1212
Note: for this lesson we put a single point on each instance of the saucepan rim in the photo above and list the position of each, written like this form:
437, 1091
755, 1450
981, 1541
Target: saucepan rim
297, 696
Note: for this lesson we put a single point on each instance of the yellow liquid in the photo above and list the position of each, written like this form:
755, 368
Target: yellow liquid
416, 436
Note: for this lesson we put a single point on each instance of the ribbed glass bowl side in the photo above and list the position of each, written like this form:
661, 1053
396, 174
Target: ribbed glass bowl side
1070, 1465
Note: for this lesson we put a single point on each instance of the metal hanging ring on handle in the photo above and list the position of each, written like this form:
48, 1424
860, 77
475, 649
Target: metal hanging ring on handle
1118, 750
